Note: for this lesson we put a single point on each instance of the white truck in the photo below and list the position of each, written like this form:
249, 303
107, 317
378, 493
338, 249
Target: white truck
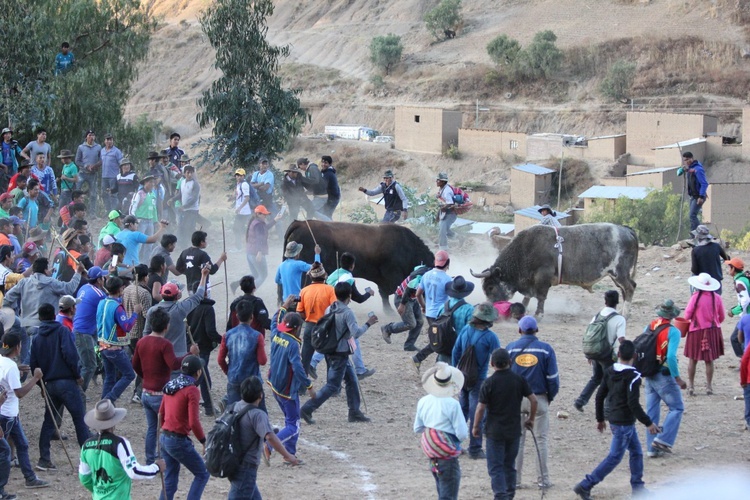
354, 132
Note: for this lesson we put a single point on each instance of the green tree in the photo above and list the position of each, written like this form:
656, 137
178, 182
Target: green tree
655, 218
619, 80
504, 51
445, 16
385, 51
541, 58
108, 37
251, 113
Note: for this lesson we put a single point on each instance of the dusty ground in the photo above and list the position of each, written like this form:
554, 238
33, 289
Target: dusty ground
383, 460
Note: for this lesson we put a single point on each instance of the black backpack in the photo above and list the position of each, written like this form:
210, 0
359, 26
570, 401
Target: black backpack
469, 366
224, 451
324, 339
647, 363
441, 332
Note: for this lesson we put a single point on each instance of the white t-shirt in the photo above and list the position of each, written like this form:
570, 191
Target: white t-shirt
10, 380
615, 326
242, 191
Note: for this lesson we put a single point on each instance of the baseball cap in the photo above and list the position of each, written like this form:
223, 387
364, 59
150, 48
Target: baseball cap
97, 272
16, 221
260, 209
441, 258
5, 196
191, 364
527, 324
30, 248
108, 240
67, 301
169, 290
114, 214
736, 263
6, 130
240, 171
10, 341
291, 321
130, 219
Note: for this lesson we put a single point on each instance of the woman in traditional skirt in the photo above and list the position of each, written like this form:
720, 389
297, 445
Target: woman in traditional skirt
705, 311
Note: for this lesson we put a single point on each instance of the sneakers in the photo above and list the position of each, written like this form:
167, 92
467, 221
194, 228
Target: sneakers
659, 446
544, 486
313, 372
57, 437
366, 373
386, 334
478, 456
358, 417
45, 465
582, 492
410, 348
417, 364
36, 483
135, 399
655, 454
307, 417
7, 496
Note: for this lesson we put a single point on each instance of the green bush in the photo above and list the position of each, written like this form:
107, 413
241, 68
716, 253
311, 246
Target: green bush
619, 80
504, 51
364, 214
540, 59
385, 51
445, 16
655, 218
452, 152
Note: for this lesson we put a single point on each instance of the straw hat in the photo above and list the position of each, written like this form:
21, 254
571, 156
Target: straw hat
104, 415
443, 380
704, 282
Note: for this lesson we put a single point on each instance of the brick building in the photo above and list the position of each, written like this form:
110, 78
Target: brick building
426, 130
484, 142
530, 184
648, 130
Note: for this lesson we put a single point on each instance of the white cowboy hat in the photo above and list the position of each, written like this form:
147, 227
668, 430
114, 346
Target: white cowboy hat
104, 415
443, 380
704, 282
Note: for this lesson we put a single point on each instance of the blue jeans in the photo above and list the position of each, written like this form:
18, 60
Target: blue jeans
359, 363
233, 395
4, 463
63, 392
151, 406
86, 347
27, 335
501, 466
695, 209
391, 216
469, 398
339, 369
91, 178
244, 485
746, 392
290, 433
624, 438
660, 388
109, 199
178, 450
258, 270
13, 430
445, 229
447, 474
116, 361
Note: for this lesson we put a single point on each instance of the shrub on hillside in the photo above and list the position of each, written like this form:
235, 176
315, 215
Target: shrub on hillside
445, 16
385, 51
619, 80
504, 51
655, 218
541, 58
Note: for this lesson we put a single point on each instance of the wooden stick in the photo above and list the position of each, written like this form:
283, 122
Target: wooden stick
208, 386
158, 451
226, 275
48, 403
62, 247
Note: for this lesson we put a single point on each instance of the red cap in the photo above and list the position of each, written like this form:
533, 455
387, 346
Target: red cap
441, 258
169, 290
5, 196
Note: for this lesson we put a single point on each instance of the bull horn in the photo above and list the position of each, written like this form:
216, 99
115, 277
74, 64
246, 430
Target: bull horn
484, 274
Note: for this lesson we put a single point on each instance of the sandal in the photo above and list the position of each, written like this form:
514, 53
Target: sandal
690, 391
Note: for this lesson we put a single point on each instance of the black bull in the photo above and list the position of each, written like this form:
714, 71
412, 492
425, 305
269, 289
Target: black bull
529, 264
385, 253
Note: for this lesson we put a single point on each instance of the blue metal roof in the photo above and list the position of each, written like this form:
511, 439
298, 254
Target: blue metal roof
533, 212
532, 168
614, 192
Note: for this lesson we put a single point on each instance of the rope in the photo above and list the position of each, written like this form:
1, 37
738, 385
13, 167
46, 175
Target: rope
559, 241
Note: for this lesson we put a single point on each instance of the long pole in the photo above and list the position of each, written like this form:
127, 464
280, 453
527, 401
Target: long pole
226, 275
48, 403
158, 452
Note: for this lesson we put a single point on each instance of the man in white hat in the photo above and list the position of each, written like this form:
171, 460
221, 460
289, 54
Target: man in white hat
108, 464
443, 426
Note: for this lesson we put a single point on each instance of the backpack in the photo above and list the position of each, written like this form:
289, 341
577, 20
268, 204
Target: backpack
441, 332
595, 340
461, 201
223, 446
650, 352
324, 339
469, 367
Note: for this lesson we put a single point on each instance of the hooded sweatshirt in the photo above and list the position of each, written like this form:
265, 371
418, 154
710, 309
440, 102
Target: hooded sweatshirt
54, 351
622, 384
286, 375
36, 290
202, 324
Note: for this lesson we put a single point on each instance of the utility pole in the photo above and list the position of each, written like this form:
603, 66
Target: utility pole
476, 117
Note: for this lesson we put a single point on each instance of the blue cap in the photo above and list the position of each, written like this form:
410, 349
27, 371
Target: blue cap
16, 221
527, 324
97, 272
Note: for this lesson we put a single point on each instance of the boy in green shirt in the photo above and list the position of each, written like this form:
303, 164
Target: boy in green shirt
108, 465
68, 178
18, 192
6, 201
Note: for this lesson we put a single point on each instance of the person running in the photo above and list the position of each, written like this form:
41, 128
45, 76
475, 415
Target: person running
166, 246
431, 290
395, 200
314, 299
201, 323
441, 422
410, 310
704, 342
108, 465
132, 239
137, 293
500, 399
179, 415
54, 352
245, 200
261, 322
256, 239
192, 260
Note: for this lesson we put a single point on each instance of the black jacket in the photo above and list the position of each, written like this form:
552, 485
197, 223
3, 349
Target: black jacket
622, 384
261, 321
202, 324
54, 351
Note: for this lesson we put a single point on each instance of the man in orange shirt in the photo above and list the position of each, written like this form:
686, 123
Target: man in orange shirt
5, 228
314, 300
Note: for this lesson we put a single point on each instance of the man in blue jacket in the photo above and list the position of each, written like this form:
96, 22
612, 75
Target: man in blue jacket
287, 376
84, 322
697, 186
535, 361
54, 351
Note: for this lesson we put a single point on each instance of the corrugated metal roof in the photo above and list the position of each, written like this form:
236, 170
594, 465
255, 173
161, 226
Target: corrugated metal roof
533, 212
614, 192
605, 137
683, 144
533, 168
485, 227
652, 171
